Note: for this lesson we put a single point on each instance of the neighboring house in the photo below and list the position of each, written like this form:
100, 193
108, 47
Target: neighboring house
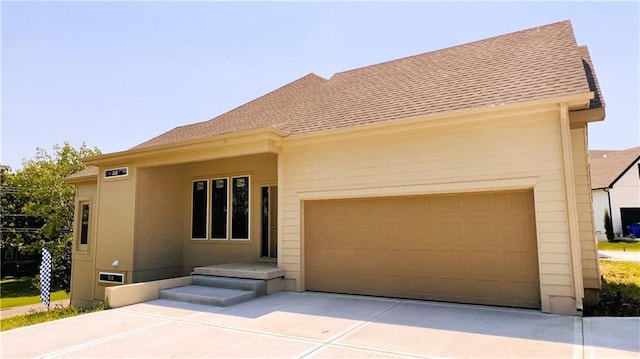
456, 175
615, 184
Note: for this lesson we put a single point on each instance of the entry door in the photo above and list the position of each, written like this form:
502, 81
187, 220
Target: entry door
269, 222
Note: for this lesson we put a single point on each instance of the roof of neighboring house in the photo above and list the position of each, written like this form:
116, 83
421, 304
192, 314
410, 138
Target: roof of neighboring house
535, 64
607, 166
88, 172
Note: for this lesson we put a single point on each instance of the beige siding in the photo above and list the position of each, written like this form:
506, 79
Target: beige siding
588, 248
461, 158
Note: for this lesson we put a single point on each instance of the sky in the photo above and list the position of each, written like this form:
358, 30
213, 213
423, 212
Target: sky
115, 74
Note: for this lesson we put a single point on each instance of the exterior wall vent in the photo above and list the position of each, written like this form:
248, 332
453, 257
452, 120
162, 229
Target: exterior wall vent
106, 277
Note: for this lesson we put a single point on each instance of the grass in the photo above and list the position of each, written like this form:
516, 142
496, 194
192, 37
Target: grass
621, 276
15, 292
619, 246
36, 317
620, 294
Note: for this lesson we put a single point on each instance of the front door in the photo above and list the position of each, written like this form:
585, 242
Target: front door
269, 222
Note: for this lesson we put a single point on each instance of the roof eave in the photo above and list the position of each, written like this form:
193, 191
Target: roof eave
575, 102
144, 152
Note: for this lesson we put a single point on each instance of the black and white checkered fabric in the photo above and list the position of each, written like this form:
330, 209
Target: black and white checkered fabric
45, 277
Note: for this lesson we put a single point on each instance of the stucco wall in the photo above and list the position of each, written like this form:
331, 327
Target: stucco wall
159, 227
262, 170
83, 261
115, 225
463, 155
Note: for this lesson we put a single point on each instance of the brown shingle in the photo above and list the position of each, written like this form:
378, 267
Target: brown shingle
607, 166
534, 64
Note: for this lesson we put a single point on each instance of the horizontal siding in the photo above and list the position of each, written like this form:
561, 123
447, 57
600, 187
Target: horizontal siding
584, 199
459, 155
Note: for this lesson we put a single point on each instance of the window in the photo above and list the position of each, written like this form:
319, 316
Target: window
82, 229
226, 205
219, 206
199, 210
240, 208
84, 224
116, 172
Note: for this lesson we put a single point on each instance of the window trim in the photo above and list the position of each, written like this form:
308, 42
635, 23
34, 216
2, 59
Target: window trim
230, 212
79, 247
227, 219
210, 183
206, 237
104, 173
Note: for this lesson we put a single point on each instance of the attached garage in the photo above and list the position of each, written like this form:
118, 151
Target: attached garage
468, 248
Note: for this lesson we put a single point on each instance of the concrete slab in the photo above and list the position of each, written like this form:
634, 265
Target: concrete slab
611, 337
462, 331
620, 256
208, 295
317, 325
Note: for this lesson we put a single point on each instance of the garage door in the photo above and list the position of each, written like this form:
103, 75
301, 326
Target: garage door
469, 248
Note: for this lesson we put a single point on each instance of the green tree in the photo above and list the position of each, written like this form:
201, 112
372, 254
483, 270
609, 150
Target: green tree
44, 197
608, 225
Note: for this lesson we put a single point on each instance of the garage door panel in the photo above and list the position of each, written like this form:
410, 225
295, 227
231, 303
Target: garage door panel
474, 248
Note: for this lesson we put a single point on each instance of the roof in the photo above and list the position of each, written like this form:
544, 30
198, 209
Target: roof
607, 166
89, 172
535, 64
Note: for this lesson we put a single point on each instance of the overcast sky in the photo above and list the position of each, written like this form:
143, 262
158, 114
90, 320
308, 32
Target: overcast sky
115, 74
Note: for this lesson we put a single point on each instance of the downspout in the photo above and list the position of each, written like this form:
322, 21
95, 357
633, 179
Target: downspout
572, 208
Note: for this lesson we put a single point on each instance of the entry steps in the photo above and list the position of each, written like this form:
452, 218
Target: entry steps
217, 291
228, 284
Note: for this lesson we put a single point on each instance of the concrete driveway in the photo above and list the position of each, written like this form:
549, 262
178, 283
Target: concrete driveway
318, 325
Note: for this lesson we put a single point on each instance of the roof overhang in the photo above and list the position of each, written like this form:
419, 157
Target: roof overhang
263, 140
577, 102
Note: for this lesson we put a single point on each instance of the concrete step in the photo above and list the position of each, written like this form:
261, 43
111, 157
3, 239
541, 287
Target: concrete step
197, 294
256, 285
264, 271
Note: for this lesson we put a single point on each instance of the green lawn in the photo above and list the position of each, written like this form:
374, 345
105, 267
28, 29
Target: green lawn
34, 317
619, 246
15, 292
620, 294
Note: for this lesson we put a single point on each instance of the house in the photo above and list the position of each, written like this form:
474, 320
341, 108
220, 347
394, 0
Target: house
615, 186
456, 175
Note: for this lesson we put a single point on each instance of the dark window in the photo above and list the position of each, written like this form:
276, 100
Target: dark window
116, 172
199, 210
219, 192
84, 224
240, 208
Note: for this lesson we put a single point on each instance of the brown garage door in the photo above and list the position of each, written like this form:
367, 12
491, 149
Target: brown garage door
471, 248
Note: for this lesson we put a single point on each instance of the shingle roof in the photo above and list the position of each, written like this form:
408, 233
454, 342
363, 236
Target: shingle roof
607, 166
88, 172
534, 64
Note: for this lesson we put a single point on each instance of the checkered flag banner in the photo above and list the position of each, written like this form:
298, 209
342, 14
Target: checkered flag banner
45, 277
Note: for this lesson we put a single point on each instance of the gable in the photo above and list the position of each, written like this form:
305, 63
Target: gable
607, 167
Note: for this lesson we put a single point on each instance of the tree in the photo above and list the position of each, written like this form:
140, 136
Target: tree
608, 225
48, 202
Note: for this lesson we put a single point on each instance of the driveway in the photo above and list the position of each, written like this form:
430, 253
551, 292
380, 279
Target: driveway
319, 325
620, 256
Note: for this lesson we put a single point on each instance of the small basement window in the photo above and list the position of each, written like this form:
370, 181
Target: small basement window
116, 172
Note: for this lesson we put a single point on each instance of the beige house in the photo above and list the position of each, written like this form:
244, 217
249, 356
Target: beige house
458, 175
615, 182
